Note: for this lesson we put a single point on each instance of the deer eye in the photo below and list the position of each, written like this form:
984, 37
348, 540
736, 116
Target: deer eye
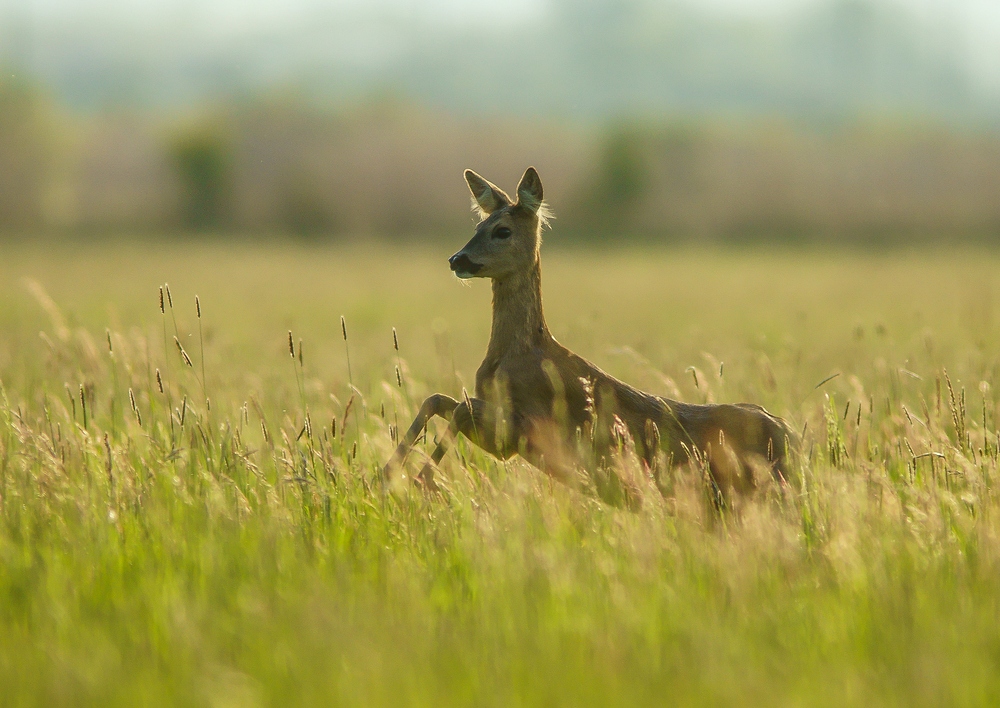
501, 232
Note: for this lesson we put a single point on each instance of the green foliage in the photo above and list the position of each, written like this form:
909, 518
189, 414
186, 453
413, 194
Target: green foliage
643, 175
304, 210
223, 540
202, 158
282, 164
623, 169
28, 147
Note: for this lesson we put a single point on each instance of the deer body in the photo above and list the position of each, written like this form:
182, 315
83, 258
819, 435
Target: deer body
536, 398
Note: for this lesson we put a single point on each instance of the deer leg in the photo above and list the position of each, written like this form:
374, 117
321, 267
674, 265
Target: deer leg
438, 404
478, 421
480, 424
546, 448
760, 439
608, 485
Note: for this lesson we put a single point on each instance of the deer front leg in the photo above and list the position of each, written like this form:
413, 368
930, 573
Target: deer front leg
481, 423
438, 404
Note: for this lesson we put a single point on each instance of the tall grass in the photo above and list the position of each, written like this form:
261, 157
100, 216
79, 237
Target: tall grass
157, 550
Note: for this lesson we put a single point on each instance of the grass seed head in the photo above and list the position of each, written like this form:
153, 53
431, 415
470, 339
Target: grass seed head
184, 354
135, 408
107, 448
347, 411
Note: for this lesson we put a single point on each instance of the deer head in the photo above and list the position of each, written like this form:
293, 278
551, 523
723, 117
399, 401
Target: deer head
508, 237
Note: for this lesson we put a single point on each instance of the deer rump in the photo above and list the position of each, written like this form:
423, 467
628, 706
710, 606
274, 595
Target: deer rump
536, 398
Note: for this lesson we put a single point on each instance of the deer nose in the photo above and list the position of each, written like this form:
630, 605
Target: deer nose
461, 263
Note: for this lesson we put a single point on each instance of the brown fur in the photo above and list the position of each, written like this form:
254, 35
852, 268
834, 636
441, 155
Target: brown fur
536, 398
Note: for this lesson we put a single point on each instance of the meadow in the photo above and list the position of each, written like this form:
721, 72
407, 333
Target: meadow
189, 512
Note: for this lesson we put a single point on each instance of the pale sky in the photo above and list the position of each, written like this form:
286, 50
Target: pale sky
370, 33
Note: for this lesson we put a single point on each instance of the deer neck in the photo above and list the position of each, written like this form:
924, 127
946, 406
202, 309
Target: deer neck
518, 322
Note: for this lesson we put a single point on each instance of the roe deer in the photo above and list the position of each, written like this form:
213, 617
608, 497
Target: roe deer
536, 398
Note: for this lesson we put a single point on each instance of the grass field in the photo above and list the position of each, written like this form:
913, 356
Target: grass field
239, 553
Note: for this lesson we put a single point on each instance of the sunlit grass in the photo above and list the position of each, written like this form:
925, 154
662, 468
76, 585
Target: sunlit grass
225, 542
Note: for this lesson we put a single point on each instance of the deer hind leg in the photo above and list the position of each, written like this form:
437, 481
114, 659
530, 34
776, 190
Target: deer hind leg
481, 423
750, 438
728, 467
438, 404
771, 441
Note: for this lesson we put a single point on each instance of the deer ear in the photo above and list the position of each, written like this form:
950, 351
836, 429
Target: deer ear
487, 197
529, 190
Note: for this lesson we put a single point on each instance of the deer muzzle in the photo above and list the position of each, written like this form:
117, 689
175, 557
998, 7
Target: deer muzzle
463, 266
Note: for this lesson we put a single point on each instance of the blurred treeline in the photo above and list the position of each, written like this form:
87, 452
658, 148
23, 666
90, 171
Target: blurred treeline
282, 165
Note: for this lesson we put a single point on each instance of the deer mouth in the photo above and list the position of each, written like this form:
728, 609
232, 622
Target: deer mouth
463, 266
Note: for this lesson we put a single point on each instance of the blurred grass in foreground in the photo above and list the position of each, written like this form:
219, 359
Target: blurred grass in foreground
240, 554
